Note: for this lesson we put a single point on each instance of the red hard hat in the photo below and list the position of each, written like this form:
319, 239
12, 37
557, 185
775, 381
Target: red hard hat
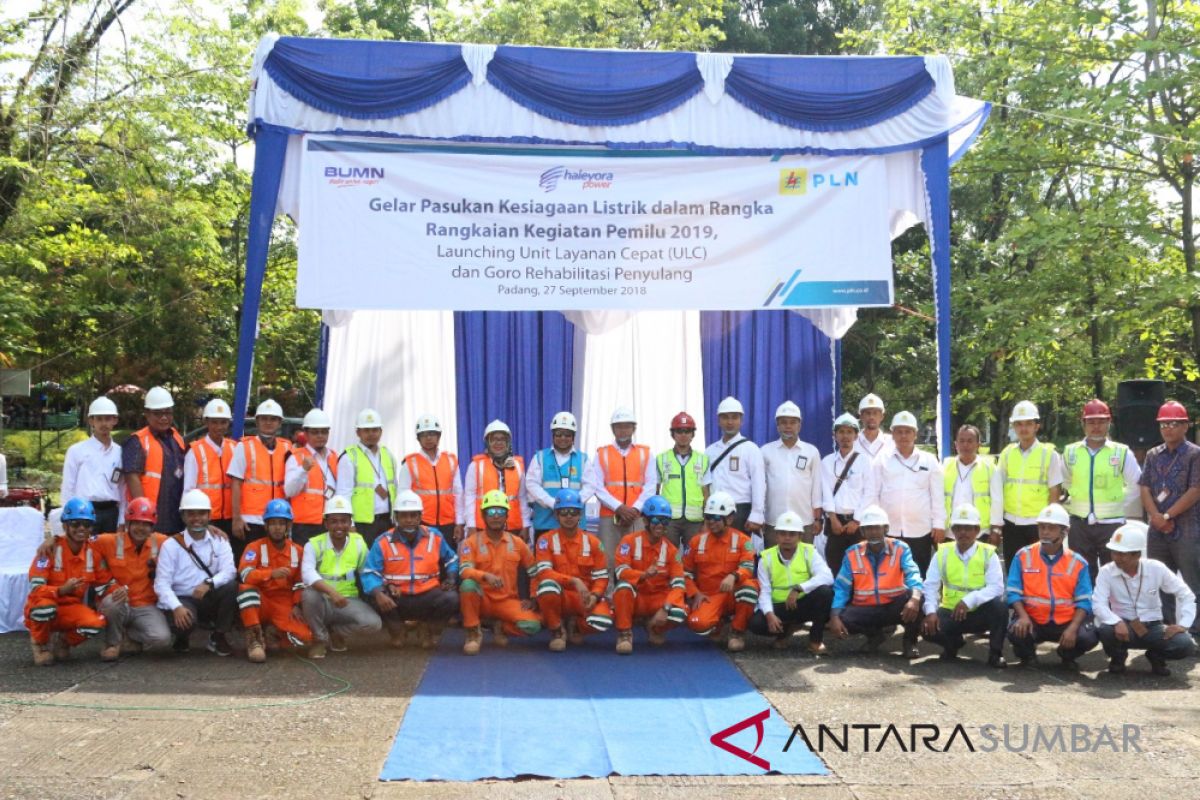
683, 420
1096, 409
140, 509
1172, 410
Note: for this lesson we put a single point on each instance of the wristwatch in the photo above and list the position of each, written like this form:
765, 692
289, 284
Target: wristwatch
1167, 516
210, 583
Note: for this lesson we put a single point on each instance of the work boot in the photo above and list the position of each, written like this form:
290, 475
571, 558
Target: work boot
573, 632
499, 637
60, 648
720, 634
558, 640
736, 642
474, 641
317, 650
256, 651
42, 657
426, 637
624, 642
657, 637
182, 642
997, 661
270, 636
110, 653
337, 642
398, 636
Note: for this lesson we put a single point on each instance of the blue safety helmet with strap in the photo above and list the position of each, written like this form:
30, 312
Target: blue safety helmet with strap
568, 498
79, 508
278, 509
656, 506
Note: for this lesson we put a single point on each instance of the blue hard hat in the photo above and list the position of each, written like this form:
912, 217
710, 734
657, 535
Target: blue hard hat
78, 508
278, 509
656, 506
568, 498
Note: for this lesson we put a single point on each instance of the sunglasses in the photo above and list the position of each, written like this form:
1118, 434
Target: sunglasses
1173, 424
714, 517
683, 430
658, 520
495, 512
568, 512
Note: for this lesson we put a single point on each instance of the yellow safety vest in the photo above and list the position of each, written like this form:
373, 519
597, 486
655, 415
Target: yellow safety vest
1099, 479
793, 573
340, 569
981, 485
1026, 480
362, 499
959, 579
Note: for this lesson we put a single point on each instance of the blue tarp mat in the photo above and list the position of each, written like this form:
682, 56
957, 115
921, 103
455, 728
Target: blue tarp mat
523, 711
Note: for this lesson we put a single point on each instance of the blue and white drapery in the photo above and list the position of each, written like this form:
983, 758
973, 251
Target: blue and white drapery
901, 108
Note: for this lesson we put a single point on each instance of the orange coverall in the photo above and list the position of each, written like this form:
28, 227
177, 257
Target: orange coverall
122, 565
708, 561
639, 595
47, 612
266, 600
561, 558
478, 599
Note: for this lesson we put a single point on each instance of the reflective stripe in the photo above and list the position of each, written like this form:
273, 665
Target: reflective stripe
549, 587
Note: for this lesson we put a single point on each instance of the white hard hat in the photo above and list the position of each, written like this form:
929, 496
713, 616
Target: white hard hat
789, 521
427, 423
496, 426
622, 414
1024, 410
904, 419
873, 515
720, 503
1129, 538
788, 409
847, 420
338, 504
195, 500
102, 407
217, 409
730, 405
965, 514
316, 418
407, 500
269, 408
1055, 515
368, 418
564, 420
870, 401
158, 398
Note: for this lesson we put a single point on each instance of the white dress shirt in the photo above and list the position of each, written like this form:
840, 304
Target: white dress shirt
1119, 596
964, 490
88, 471
1054, 474
470, 498
818, 569
741, 474
537, 493
347, 476
856, 492
3, 476
295, 476
593, 475
178, 573
404, 481
1131, 473
793, 477
191, 468
992, 588
910, 491
880, 448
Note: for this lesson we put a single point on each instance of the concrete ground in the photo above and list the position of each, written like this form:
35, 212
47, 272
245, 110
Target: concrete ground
333, 748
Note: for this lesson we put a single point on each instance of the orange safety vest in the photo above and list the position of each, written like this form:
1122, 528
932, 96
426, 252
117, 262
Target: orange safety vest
308, 507
128, 567
487, 478
263, 480
870, 588
1048, 592
152, 476
434, 483
413, 571
626, 481
211, 478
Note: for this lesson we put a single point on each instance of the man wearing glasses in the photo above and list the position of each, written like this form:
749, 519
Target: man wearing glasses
152, 460
1170, 490
650, 583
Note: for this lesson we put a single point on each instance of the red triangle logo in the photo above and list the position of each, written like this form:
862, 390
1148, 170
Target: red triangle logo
720, 739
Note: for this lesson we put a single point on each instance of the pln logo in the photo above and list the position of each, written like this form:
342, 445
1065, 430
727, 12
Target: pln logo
353, 176
798, 180
586, 179
793, 181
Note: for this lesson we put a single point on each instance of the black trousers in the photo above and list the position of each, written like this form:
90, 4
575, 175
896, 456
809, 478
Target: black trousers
813, 607
922, 550
217, 609
254, 532
741, 515
1026, 646
836, 546
1157, 647
873, 619
990, 618
106, 516
434, 605
370, 531
303, 531
1090, 541
1013, 538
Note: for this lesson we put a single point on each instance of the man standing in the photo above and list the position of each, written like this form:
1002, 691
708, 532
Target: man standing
433, 474
92, 468
310, 477
718, 571
737, 469
970, 479
1170, 486
1127, 603
559, 467
571, 576
1031, 475
152, 460
795, 586
1101, 477
257, 469
620, 474
488, 567
331, 568
195, 579
271, 586
367, 476
964, 591
793, 475
496, 469
206, 466
872, 442
1050, 592
650, 584
126, 584
683, 480
848, 486
411, 575
908, 486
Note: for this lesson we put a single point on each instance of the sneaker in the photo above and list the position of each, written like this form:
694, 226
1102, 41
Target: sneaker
499, 637
110, 653
42, 657
1159, 668
1070, 665
1116, 665
1029, 660
948, 655
624, 642
997, 661
736, 643
426, 637
558, 641
474, 640
874, 640
60, 648
398, 637
337, 642
217, 643
182, 643
909, 650
817, 648
782, 642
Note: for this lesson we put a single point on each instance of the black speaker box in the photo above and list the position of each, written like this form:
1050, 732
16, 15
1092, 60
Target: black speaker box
1137, 408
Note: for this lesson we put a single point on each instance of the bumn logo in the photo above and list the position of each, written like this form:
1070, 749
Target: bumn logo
720, 739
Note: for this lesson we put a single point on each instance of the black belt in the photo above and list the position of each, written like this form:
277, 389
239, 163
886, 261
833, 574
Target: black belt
103, 503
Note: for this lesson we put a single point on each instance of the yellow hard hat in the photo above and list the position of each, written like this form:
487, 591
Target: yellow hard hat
495, 499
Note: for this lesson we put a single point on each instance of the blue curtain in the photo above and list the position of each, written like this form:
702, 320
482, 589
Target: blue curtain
763, 358
935, 163
515, 366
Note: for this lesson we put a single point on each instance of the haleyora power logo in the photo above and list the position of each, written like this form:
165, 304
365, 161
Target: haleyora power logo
587, 179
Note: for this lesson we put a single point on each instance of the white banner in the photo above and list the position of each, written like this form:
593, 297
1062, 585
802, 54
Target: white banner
385, 226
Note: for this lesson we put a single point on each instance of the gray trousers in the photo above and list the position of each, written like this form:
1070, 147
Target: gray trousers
146, 625
321, 615
680, 531
1181, 553
611, 533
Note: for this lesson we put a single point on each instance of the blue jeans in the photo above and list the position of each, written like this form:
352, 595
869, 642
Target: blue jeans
1156, 646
